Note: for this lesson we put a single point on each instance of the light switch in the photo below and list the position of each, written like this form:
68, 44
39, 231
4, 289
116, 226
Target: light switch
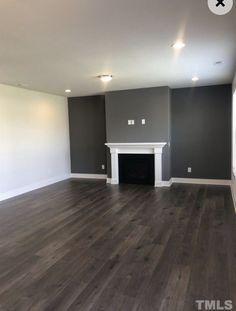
133, 122
143, 121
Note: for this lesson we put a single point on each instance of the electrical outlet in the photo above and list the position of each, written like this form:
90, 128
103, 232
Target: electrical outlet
103, 167
132, 122
129, 122
189, 170
143, 121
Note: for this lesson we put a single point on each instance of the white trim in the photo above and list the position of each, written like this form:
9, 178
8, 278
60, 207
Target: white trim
159, 184
165, 183
220, 182
233, 197
197, 181
35, 186
233, 189
89, 176
140, 145
136, 148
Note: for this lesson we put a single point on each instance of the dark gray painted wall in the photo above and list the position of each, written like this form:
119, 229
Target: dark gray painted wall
166, 163
152, 104
197, 123
87, 134
201, 132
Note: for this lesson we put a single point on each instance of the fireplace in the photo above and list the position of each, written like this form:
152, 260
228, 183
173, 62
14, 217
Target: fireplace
138, 149
136, 169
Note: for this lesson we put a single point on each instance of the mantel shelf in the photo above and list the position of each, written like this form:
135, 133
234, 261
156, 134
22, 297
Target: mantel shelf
141, 145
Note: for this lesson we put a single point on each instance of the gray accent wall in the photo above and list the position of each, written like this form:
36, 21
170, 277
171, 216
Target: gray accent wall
201, 132
195, 121
87, 134
152, 104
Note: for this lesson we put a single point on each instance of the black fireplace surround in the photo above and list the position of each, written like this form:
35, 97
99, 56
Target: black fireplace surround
136, 169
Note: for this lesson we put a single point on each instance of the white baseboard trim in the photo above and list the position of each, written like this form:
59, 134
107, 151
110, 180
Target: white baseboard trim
163, 183
89, 176
198, 181
35, 186
112, 181
233, 189
233, 197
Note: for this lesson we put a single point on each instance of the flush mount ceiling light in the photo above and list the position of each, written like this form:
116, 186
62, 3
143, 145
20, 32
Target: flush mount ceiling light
195, 78
68, 91
178, 45
23, 85
105, 78
219, 62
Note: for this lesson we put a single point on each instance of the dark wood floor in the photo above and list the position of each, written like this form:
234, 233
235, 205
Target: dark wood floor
83, 245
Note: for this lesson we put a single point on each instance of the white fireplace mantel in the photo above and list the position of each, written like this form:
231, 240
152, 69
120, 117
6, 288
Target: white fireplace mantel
136, 148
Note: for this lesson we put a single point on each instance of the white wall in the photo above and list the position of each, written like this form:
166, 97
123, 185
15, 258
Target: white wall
233, 144
34, 140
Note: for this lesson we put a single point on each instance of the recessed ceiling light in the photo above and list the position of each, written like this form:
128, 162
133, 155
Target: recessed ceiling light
178, 45
195, 78
68, 91
105, 78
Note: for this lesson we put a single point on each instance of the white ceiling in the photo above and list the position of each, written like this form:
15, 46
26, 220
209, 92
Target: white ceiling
52, 45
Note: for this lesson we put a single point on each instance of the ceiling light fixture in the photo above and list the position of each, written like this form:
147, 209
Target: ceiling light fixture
195, 78
68, 91
178, 45
23, 85
105, 78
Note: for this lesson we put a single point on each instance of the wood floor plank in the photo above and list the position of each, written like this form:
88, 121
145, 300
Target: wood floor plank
84, 245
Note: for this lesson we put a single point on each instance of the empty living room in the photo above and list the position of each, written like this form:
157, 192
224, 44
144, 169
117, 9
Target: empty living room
117, 155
